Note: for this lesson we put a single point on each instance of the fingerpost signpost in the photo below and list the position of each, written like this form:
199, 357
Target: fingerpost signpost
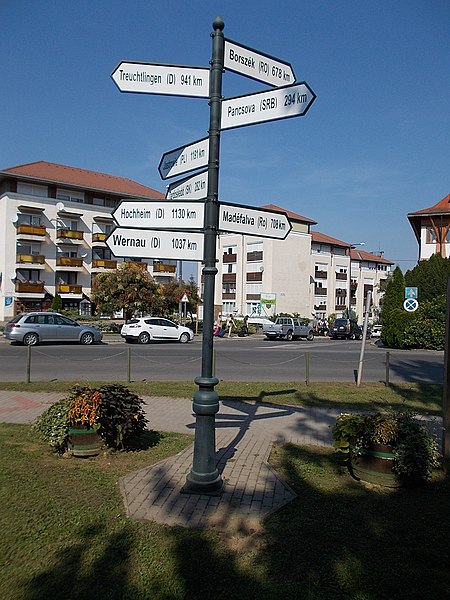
192, 232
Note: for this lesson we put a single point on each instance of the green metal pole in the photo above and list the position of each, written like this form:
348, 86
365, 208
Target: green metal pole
387, 369
307, 367
129, 365
204, 476
28, 364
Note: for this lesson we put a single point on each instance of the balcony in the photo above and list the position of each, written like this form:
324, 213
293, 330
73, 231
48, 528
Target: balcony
320, 291
162, 268
353, 301
103, 263
30, 259
66, 288
255, 256
254, 276
253, 297
229, 258
29, 287
34, 230
320, 307
228, 296
320, 275
66, 261
69, 234
341, 276
229, 278
353, 285
138, 265
99, 238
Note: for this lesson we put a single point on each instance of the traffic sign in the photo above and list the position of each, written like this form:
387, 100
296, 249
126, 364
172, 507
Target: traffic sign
148, 243
410, 304
184, 298
172, 80
250, 221
280, 103
191, 188
411, 292
184, 159
257, 65
155, 214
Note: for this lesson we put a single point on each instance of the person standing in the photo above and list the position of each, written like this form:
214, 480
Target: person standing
230, 324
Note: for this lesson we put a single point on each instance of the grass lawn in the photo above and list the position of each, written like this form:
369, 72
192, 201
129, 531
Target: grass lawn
422, 398
65, 536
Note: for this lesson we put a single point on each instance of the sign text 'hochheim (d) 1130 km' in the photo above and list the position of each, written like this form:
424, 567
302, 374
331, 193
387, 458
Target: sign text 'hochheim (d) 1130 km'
148, 214
280, 103
257, 65
253, 221
153, 243
171, 80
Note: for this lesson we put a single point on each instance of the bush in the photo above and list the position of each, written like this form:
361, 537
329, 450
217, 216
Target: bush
53, 425
122, 417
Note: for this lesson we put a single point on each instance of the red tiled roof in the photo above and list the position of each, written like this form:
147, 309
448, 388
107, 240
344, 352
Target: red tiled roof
73, 176
368, 256
321, 238
290, 214
443, 206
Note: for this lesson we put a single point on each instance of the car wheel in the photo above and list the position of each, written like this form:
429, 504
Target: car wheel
310, 336
144, 338
184, 338
87, 339
289, 336
353, 336
30, 339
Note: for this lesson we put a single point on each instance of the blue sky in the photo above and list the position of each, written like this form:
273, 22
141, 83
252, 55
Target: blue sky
374, 146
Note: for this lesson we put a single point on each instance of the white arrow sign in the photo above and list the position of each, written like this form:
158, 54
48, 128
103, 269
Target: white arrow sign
244, 220
148, 214
148, 243
173, 80
257, 65
280, 103
191, 188
184, 159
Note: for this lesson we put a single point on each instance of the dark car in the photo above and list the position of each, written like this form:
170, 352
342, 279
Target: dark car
37, 327
346, 329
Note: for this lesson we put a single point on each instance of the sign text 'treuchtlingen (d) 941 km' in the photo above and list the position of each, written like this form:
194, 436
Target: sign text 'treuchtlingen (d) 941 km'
280, 103
172, 80
153, 243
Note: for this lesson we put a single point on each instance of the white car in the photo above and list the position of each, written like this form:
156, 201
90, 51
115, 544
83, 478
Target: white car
376, 331
151, 329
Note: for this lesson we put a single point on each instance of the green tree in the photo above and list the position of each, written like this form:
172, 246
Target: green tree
129, 288
173, 292
430, 277
393, 317
57, 303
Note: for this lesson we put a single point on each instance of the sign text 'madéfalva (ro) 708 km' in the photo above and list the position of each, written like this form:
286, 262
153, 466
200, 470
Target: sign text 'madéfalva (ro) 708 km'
152, 78
253, 221
280, 103
154, 243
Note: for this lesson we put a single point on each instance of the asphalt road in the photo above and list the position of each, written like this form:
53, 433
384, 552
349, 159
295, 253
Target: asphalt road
235, 359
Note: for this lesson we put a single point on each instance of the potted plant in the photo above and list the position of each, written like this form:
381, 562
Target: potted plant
91, 417
389, 448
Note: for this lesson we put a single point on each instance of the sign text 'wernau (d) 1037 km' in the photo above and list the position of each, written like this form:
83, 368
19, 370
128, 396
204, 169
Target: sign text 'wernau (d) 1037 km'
172, 80
152, 243
257, 65
280, 103
191, 188
250, 221
147, 214
184, 159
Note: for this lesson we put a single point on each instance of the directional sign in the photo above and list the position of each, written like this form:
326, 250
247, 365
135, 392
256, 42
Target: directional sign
410, 304
172, 80
184, 159
280, 103
257, 65
411, 292
151, 214
244, 220
148, 243
191, 188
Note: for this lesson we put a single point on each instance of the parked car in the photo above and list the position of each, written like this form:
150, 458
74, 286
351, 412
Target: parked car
144, 330
346, 329
376, 331
36, 327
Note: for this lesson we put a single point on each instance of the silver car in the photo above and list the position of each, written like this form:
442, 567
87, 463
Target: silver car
36, 327
149, 329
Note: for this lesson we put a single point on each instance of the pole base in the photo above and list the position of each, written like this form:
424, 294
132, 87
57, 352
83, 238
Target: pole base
210, 488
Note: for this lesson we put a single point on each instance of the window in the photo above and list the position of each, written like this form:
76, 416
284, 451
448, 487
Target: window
69, 195
98, 201
28, 248
32, 190
254, 267
228, 307
253, 288
430, 235
26, 219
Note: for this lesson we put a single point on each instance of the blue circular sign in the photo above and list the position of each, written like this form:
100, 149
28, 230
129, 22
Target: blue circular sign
410, 304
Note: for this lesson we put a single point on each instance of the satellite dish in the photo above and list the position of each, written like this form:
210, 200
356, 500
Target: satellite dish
12, 275
14, 218
60, 206
83, 254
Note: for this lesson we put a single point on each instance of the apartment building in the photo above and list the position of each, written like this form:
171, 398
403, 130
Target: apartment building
309, 273
431, 227
54, 221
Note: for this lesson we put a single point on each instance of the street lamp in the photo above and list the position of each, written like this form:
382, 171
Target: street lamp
350, 276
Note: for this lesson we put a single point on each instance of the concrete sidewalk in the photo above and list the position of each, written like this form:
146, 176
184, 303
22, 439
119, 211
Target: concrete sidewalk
244, 436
